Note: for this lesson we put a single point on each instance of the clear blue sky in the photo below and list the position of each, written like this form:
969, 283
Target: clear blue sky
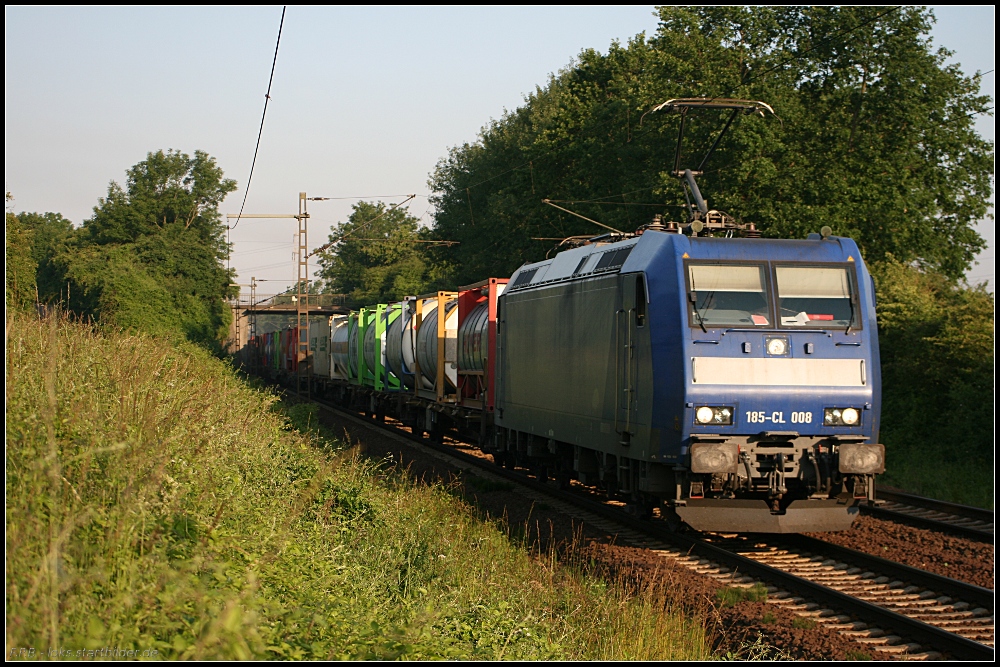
365, 100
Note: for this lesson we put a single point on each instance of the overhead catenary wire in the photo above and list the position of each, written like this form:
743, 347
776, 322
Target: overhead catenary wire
358, 229
599, 224
258, 251
602, 202
369, 197
269, 246
590, 201
391, 208
260, 132
392, 240
515, 229
266, 266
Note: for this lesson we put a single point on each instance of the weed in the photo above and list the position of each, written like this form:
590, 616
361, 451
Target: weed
758, 649
730, 596
858, 655
483, 485
803, 623
768, 618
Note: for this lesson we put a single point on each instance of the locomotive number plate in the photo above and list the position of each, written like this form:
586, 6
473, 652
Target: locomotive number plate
761, 417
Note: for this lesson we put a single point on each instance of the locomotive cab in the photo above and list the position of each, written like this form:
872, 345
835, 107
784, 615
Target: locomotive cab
783, 387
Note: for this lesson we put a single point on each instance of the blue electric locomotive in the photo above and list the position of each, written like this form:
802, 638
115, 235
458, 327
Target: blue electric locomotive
734, 380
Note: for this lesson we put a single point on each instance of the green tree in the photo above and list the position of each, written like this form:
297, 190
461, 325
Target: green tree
152, 256
164, 190
374, 256
875, 137
52, 234
113, 284
937, 348
18, 262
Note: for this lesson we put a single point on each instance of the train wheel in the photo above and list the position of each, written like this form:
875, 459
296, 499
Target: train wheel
670, 517
641, 508
540, 472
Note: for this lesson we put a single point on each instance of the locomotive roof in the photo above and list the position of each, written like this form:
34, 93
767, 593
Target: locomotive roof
638, 253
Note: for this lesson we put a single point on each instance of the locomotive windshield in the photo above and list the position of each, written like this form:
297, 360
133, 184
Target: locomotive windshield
728, 295
814, 296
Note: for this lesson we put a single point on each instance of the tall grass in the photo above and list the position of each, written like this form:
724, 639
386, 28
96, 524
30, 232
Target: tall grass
156, 502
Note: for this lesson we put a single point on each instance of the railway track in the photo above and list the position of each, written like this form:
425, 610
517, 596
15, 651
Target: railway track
933, 514
957, 607
886, 606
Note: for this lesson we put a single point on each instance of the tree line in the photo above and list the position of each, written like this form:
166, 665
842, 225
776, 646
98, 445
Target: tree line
151, 257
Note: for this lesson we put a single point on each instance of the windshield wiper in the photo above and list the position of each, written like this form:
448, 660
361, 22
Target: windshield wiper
850, 322
701, 318
693, 298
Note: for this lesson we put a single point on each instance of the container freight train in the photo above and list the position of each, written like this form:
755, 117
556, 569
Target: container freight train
732, 382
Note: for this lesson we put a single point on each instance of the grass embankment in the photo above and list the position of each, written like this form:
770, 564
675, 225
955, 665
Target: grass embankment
154, 501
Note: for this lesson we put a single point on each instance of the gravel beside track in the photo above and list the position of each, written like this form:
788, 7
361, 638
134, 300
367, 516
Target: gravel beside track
798, 628
968, 560
971, 522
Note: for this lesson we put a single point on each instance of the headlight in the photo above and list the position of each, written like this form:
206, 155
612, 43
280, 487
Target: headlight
777, 346
722, 415
862, 459
714, 457
841, 417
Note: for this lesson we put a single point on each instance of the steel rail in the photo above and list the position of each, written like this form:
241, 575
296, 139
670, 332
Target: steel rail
927, 635
955, 520
961, 590
977, 513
